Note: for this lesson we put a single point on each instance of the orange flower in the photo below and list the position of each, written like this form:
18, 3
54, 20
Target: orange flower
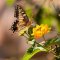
40, 30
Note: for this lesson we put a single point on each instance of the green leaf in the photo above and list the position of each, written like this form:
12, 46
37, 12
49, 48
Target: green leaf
28, 56
57, 41
30, 50
52, 42
49, 42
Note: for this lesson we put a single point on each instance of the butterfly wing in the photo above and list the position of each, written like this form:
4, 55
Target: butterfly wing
22, 19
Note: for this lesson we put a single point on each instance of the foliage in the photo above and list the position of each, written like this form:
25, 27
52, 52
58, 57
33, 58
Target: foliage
29, 55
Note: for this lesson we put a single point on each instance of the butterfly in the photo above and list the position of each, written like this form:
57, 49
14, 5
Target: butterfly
22, 19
